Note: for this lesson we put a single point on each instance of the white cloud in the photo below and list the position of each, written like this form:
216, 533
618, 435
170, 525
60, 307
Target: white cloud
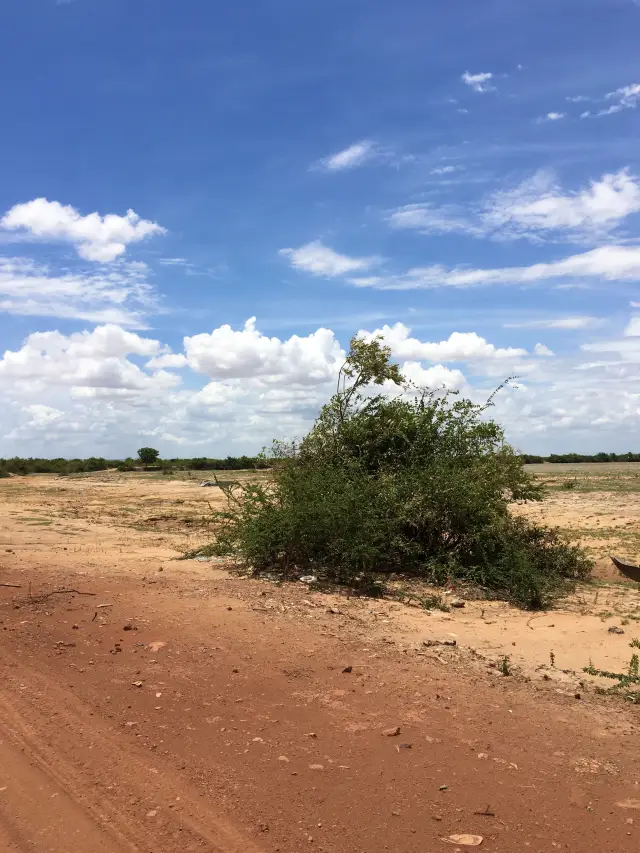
227, 353
95, 238
553, 116
120, 294
606, 263
322, 261
539, 205
431, 378
624, 98
537, 209
578, 322
444, 170
479, 82
84, 394
633, 329
542, 350
96, 360
460, 346
433, 219
349, 158
169, 360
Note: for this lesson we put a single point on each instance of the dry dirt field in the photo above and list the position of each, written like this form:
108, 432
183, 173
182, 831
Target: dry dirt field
154, 705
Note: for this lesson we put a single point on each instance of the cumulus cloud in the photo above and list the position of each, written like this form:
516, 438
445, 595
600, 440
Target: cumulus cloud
96, 360
553, 117
480, 82
94, 237
320, 260
460, 346
349, 158
228, 353
85, 394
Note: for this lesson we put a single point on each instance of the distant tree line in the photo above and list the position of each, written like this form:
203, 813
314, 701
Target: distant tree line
581, 457
19, 466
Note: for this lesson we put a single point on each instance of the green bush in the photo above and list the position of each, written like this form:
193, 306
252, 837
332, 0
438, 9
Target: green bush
420, 484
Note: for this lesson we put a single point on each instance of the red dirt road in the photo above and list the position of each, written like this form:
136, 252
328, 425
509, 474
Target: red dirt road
243, 734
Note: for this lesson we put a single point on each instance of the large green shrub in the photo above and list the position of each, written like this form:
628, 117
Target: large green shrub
418, 483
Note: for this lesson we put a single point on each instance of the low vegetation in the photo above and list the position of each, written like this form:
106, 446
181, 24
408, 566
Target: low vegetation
627, 683
417, 483
21, 467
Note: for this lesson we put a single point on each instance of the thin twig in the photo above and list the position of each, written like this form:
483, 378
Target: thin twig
12, 585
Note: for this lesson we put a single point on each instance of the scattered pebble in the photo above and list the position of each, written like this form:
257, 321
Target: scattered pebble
316, 767
348, 669
152, 813
283, 758
394, 732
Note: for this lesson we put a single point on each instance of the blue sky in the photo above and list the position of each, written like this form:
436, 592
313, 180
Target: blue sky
461, 178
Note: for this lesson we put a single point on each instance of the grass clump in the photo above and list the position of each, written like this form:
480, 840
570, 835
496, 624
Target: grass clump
414, 482
627, 683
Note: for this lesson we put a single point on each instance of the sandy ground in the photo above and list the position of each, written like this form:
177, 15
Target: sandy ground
163, 705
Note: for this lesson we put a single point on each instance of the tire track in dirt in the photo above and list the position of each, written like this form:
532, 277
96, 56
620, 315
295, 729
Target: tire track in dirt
67, 777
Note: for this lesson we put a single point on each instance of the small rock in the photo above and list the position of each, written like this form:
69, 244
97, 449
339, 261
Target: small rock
404, 746
316, 767
75, 627
156, 646
130, 725
258, 740
443, 788
283, 759
457, 602
465, 840
348, 669
138, 683
394, 732
128, 627
614, 629
152, 813
312, 734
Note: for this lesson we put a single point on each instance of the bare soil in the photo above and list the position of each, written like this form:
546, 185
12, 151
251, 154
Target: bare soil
164, 705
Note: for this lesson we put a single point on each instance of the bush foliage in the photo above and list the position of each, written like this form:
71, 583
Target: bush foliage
416, 483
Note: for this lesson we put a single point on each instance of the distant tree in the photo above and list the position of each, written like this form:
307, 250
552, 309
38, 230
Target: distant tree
148, 455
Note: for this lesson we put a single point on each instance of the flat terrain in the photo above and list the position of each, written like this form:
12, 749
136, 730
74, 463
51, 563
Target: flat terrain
151, 704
